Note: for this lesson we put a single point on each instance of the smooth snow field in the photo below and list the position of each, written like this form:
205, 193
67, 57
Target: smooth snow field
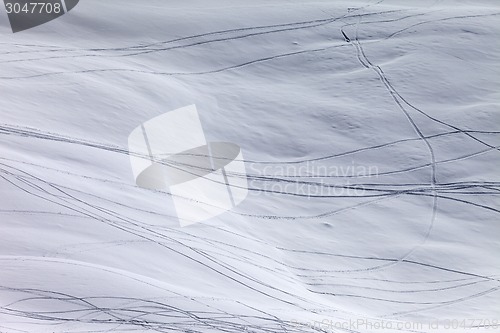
367, 177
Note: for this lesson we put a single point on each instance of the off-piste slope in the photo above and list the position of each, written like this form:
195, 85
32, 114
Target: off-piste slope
370, 136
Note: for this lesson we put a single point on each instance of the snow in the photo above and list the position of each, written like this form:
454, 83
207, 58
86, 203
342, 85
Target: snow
372, 167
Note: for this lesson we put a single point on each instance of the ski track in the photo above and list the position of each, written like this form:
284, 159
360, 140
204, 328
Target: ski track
105, 313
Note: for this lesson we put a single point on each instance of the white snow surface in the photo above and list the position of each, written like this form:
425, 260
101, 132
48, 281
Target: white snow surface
372, 166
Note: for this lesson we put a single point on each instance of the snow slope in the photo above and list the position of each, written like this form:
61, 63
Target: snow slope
372, 165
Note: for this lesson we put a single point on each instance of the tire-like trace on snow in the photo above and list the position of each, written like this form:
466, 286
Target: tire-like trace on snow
371, 143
